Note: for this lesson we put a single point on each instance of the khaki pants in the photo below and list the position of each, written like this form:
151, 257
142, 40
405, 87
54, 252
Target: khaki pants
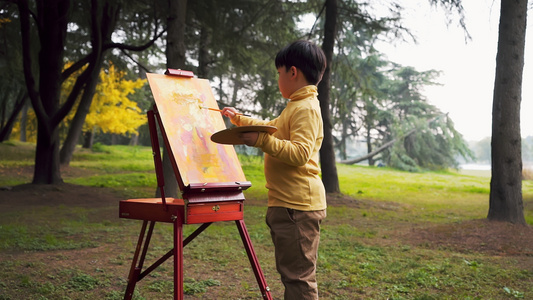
296, 235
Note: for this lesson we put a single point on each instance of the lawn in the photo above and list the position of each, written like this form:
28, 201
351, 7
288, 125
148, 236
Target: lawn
390, 235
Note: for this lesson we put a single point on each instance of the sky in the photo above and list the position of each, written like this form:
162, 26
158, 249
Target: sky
468, 68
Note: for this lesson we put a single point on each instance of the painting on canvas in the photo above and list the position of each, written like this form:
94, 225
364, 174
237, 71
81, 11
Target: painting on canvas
188, 127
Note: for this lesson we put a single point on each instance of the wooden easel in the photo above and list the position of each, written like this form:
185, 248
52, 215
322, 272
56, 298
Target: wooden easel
201, 203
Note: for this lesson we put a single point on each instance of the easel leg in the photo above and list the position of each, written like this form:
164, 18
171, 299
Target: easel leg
178, 258
265, 290
135, 269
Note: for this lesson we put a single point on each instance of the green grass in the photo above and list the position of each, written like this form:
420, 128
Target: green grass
74, 252
439, 195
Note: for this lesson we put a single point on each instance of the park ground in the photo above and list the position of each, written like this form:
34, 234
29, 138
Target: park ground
498, 242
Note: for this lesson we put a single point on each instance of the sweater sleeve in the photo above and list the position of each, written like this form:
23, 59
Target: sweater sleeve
240, 120
304, 126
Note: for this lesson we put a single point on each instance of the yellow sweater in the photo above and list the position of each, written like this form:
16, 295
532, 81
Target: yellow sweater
291, 153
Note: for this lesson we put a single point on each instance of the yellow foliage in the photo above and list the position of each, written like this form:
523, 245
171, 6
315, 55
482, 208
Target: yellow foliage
31, 128
111, 110
4, 21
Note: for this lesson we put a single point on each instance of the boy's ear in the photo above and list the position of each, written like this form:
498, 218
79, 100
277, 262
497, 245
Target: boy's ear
293, 71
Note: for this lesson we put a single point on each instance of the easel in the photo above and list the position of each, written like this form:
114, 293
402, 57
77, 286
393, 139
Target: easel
201, 203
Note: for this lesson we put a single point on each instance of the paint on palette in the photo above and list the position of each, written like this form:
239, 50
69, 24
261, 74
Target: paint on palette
189, 129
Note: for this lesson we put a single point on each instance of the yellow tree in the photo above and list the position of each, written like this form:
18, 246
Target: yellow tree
111, 110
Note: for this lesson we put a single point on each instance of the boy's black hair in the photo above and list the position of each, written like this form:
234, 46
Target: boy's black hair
303, 55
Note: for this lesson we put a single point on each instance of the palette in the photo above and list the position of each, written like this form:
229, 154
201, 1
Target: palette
231, 136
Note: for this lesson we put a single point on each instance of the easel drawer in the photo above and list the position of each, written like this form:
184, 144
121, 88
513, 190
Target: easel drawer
214, 212
152, 209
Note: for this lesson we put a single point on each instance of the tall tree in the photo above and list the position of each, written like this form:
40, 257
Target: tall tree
102, 32
13, 95
109, 16
52, 21
505, 202
327, 152
343, 20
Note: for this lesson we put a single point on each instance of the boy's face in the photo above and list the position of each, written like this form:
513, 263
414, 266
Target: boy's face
284, 81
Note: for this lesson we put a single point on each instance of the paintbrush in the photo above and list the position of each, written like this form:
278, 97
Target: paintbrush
219, 110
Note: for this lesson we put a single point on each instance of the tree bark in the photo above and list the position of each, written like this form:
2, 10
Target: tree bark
24, 121
134, 140
102, 31
76, 126
203, 53
52, 18
327, 152
53, 27
176, 34
506, 202
369, 148
176, 60
88, 139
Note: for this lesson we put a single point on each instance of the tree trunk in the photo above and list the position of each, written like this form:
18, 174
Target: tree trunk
134, 140
88, 139
47, 169
176, 60
236, 87
3, 112
369, 148
107, 17
342, 144
24, 121
8, 126
76, 126
505, 202
203, 53
176, 34
327, 152
53, 16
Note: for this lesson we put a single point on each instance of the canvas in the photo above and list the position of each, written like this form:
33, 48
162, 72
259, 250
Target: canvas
188, 127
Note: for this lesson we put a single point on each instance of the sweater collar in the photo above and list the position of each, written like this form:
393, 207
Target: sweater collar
304, 92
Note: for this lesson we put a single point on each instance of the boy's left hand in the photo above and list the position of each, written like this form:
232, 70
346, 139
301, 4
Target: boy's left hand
249, 138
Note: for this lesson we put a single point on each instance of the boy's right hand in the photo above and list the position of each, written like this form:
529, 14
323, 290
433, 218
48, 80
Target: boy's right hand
229, 112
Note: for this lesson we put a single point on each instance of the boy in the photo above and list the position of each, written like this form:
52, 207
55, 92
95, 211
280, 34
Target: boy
296, 195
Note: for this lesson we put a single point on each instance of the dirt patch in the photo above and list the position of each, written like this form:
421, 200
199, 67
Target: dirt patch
491, 237
25, 195
479, 236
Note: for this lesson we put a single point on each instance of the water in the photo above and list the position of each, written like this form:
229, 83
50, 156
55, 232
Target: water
475, 167
487, 167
